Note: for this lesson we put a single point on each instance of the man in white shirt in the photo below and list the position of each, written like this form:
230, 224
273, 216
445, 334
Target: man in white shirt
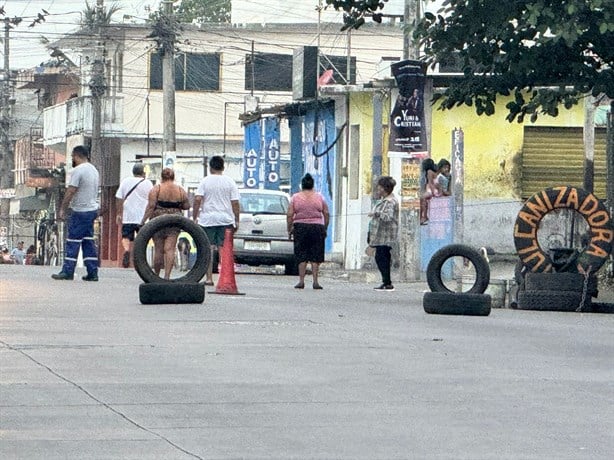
81, 197
216, 207
131, 198
18, 254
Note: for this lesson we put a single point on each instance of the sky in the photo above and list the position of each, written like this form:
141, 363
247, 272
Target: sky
26, 49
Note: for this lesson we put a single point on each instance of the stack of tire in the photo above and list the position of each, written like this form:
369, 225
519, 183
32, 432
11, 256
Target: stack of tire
442, 300
184, 289
548, 286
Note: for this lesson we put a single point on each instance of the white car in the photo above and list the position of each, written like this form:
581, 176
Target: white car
263, 238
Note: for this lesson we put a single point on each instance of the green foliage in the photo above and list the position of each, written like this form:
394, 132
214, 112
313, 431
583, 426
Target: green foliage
90, 19
354, 11
202, 11
547, 53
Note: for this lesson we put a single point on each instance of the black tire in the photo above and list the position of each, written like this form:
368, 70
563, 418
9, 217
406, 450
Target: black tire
569, 282
560, 281
163, 293
594, 254
446, 303
551, 300
602, 307
291, 268
203, 249
482, 270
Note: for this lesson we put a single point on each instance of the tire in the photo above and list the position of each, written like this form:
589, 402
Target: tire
163, 293
602, 307
451, 303
203, 249
433, 270
593, 255
568, 282
291, 268
551, 300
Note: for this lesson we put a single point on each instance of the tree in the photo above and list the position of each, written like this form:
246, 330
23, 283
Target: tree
354, 11
90, 20
547, 53
201, 11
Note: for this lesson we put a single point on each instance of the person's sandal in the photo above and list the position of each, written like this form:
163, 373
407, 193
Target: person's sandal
317, 286
299, 286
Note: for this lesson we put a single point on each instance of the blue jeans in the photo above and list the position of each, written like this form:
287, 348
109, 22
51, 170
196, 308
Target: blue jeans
81, 236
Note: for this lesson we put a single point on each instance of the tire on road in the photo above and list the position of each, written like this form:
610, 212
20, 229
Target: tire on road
542, 203
433, 269
452, 303
163, 293
560, 281
203, 249
602, 307
551, 300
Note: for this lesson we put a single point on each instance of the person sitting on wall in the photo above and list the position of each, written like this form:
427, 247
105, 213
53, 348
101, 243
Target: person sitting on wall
444, 179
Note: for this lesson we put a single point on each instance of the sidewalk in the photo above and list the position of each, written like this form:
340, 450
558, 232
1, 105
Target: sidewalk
501, 269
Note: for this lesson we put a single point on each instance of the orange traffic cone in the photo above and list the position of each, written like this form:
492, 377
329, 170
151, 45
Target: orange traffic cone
226, 283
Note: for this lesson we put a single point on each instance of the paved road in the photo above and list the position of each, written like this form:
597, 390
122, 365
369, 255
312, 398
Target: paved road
87, 372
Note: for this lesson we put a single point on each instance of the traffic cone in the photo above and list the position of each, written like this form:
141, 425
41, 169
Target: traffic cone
226, 283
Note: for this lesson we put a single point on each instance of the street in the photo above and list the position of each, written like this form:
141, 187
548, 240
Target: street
87, 372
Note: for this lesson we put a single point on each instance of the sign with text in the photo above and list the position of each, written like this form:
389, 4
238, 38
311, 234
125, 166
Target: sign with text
271, 153
407, 123
251, 155
410, 183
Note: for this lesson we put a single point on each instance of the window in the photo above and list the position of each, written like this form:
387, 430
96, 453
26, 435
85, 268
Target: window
193, 72
273, 72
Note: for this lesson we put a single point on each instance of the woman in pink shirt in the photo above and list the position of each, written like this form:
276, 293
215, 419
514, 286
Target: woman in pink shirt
307, 222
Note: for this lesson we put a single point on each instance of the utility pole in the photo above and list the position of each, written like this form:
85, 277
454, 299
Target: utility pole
98, 89
409, 218
7, 160
168, 80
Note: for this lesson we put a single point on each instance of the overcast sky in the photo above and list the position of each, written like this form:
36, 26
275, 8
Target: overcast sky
26, 49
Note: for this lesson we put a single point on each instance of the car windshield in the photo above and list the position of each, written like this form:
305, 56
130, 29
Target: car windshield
261, 203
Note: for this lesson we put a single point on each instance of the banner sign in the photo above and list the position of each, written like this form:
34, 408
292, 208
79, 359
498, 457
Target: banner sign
271, 153
251, 155
407, 123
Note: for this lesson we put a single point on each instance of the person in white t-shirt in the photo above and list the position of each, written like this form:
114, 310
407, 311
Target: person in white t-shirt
131, 197
216, 207
81, 199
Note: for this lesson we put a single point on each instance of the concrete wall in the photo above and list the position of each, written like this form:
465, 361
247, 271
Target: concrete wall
490, 223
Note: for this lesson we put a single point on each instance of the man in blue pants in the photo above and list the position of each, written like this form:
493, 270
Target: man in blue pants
81, 197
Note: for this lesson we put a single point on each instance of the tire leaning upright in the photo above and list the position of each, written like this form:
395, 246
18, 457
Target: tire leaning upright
203, 249
433, 270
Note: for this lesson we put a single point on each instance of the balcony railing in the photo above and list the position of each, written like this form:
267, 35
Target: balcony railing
75, 117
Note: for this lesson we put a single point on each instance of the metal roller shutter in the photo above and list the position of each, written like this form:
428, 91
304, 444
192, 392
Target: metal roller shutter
554, 156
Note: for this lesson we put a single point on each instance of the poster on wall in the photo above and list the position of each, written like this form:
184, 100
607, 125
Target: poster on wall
407, 122
251, 155
410, 184
271, 153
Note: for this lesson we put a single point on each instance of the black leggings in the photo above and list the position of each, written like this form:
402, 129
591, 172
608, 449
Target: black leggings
383, 260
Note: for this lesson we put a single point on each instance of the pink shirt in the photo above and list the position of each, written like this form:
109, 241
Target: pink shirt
308, 208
